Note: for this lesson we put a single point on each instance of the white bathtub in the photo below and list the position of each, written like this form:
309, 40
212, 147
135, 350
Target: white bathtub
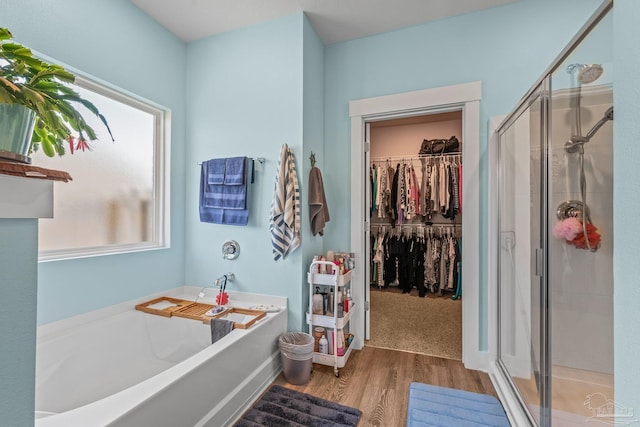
122, 367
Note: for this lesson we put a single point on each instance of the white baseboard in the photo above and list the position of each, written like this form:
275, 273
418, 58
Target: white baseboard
479, 361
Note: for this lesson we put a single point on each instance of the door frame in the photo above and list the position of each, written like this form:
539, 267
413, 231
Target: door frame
462, 97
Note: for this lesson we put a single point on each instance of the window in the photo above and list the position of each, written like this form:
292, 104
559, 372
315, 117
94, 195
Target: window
118, 199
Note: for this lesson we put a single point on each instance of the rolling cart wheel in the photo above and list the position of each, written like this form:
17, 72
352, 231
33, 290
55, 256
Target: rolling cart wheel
337, 373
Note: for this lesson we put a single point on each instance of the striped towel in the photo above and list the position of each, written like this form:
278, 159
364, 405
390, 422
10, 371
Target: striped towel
284, 220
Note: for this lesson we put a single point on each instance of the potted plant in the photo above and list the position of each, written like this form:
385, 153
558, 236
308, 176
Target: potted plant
38, 107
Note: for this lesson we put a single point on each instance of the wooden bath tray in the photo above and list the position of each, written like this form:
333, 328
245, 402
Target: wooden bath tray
255, 316
196, 311
174, 304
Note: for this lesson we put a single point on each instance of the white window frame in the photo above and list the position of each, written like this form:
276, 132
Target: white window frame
160, 233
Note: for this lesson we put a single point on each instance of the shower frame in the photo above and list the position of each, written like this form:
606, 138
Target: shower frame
540, 91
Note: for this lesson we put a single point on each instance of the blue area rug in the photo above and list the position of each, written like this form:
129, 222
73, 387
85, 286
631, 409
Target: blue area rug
280, 407
431, 405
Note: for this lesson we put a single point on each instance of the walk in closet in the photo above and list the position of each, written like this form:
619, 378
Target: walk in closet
416, 235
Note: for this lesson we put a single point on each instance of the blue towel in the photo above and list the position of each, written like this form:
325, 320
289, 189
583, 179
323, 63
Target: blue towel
226, 196
212, 177
234, 171
224, 204
231, 194
215, 171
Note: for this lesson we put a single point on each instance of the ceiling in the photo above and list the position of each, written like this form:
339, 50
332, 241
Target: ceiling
334, 20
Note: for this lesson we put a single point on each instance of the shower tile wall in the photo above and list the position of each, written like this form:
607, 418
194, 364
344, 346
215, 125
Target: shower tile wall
582, 281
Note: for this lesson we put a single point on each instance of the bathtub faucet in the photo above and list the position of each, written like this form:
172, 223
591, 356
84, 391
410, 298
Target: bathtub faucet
222, 280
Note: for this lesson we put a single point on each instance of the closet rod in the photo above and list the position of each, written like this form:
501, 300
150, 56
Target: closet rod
418, 157
419, 224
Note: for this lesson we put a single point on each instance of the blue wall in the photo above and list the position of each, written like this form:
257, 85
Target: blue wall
245, 98
626, 269
18, 288
313, 136
507, 48
115, 42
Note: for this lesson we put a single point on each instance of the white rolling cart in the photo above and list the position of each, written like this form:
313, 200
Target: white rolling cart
338, 282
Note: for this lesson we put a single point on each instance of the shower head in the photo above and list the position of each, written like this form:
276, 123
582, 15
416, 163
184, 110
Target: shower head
587, 73
576, 142
608, 115
590, 73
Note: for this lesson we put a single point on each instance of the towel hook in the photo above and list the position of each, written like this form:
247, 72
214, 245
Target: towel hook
312, 157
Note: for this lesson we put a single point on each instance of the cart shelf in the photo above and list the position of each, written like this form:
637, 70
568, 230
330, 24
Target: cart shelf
331, 321
329, 279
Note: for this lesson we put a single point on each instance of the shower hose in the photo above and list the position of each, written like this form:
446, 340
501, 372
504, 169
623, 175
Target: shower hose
586, 216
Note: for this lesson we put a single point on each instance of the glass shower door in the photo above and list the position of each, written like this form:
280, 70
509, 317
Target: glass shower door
555, 248
521, 161
581, 228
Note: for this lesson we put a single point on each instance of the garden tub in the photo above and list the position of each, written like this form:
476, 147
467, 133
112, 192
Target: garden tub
122, 367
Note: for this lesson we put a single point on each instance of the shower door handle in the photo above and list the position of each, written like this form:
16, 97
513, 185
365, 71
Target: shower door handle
539, 261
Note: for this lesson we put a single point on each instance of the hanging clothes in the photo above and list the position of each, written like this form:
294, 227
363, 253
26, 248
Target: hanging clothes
428, 261
401, 196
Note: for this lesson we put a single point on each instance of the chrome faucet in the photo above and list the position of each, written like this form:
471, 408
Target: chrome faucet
229, 277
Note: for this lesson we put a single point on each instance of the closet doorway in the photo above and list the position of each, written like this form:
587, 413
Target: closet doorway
415, 258
462, 98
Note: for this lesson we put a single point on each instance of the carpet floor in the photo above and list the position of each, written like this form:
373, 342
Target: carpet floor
283, 407
430, 325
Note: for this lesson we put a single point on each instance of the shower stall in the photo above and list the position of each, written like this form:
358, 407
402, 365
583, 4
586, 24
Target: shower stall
554, 239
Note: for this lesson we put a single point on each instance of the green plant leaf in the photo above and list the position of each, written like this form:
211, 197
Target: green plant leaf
5, 34
48, 147
91, 107
9, 84
33, 96
5, 97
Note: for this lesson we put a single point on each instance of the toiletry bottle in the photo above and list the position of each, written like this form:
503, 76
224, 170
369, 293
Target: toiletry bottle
317, 302
325, 302
332, 340
340, 343
345, 302
323, 346
330, 302
330, 257
318, 333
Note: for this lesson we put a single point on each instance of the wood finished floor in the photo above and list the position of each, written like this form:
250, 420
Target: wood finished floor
376, 381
